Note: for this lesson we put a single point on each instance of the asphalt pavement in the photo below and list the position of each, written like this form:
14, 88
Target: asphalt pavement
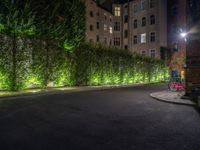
115, 119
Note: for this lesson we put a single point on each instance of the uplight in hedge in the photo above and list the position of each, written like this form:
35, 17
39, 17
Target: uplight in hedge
33, 81
68, 46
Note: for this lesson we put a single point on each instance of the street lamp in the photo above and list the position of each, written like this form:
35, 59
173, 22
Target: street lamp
184, 34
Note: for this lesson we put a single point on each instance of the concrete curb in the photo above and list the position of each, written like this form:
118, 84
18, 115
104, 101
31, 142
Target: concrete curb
176, 101
70, 90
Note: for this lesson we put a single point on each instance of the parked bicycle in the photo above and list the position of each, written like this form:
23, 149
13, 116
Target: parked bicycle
175, 84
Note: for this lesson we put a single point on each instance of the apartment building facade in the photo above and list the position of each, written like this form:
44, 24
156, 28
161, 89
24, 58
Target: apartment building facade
99, 24
148, 27
139, 26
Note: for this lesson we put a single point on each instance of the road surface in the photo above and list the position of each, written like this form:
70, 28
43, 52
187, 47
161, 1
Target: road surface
115, 119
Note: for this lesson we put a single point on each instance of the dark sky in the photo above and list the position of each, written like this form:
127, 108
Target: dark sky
108, 3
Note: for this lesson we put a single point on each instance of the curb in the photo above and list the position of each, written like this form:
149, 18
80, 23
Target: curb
190, 103
70, 90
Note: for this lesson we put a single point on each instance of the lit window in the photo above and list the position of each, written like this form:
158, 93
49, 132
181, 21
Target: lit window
117, 11
153, 53
143, 38
152, 36
111, 30
105, 27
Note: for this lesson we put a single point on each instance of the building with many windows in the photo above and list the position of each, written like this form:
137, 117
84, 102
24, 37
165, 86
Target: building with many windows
143, 25
138, 25
99, 23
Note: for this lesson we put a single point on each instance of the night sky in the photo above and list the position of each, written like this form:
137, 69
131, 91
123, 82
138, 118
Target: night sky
108, 3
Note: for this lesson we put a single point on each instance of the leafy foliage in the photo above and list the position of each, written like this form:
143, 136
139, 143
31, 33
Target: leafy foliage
98, 65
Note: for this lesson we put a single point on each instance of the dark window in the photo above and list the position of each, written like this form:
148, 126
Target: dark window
143, 21
174, 10
135, 39
143, 53
152, 3
126, 34
152, 36
97, 25
135, 23
143, 5
126, 47
91, 14
153, 53
91, 28
116, 41
117, 26
152, 19
110, 42
97, 38
126, 19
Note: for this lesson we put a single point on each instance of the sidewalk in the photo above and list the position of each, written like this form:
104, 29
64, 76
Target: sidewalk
172, 97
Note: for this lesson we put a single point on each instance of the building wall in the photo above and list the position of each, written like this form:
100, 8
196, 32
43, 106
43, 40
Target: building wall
91, 7
159, 28
101, 22
105, 31
177, 45
117, 19
124, 15
193, 46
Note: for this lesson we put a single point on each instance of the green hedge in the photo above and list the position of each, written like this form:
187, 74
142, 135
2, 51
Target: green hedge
87, 65
98, 65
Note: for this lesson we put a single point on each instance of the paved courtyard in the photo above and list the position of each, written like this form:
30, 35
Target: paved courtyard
115, 119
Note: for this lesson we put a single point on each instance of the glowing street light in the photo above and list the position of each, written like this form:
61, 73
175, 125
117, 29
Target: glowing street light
183, 34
